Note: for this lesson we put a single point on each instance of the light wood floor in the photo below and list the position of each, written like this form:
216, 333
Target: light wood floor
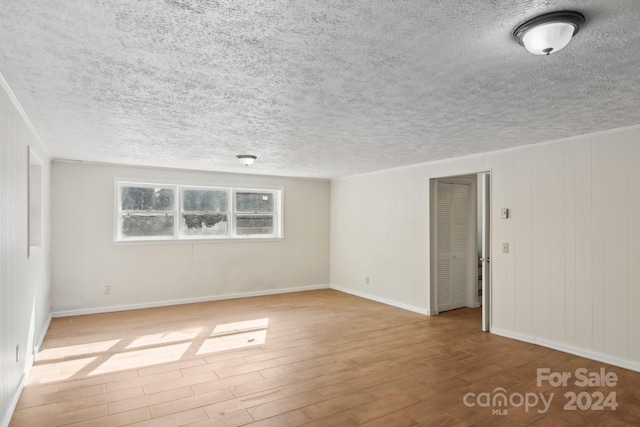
319, 358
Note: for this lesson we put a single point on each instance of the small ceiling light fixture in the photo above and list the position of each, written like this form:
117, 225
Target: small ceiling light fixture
549, 32
246, 159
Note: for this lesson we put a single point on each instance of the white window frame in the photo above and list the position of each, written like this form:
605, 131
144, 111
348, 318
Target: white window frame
120, 212
178, 232
277, 208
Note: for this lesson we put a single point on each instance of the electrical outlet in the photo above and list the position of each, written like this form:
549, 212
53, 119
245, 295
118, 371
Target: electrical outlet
107, 290
366, 280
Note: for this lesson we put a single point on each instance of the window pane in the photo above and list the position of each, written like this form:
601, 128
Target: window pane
254, 224
205, 200
204, 224
254, 202
147, 199
147, 225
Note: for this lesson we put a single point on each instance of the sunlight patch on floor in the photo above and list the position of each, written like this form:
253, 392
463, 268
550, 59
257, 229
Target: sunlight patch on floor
142, 358
59, 371
75, 350
77, 361
162, 338
227, 328
230, 336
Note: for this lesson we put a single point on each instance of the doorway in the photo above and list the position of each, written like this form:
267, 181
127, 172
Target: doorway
460, 244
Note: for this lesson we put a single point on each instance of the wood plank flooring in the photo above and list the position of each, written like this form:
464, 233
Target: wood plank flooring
320, 358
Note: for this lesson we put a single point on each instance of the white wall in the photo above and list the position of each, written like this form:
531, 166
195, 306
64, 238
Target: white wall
85, 258
24, 283
572, 278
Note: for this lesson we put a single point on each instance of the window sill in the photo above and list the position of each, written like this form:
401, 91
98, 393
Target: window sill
197, 241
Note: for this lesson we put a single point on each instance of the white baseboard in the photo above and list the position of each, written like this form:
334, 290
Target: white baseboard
27, 368
14, 402
97, 310
42, 335
382, 300
587, 354
513, 335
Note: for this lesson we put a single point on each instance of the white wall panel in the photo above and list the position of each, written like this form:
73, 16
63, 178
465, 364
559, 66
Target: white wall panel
399, 234
570, 242
541, 211
522, 251
597, 247
634, 244
24, 283
509, 237
499, 232
421, 247
557, 243
616, 245
583, 242
85, 258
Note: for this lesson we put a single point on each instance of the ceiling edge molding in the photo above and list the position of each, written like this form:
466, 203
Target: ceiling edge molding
23, 114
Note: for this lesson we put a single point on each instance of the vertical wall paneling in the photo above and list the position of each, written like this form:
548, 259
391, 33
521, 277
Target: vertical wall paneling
570, 241
597, 241
616, 246
583, 251
540, 237
634, 245
499, 301
4, 306
557, 243
521, 250
509, 238
24, 283
421, 246
392, 216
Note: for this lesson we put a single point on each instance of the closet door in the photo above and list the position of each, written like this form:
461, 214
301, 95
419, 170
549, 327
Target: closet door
452, 242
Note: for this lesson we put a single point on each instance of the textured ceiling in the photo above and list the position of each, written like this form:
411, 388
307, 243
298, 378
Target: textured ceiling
314, 88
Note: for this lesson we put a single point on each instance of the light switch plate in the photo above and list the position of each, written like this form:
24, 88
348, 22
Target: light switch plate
504, 213
505, 248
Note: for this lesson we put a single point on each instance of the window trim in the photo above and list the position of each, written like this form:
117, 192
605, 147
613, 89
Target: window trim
178, 236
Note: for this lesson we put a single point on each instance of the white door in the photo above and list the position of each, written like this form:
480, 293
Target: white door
452, 245
486, 250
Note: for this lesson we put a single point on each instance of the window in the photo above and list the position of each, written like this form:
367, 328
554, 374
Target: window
255, 212
205, 212
147, 211
183, 212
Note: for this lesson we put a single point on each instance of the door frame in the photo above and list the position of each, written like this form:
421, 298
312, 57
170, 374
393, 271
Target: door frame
486, 293
485, 202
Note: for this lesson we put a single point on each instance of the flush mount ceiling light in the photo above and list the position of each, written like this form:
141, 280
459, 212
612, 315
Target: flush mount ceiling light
549, 32
246, 159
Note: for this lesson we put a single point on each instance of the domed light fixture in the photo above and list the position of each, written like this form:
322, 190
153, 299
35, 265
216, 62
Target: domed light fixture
246, 159
549, 32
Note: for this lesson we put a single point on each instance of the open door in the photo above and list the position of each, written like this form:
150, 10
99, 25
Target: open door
485, 212
454, 253
453, 242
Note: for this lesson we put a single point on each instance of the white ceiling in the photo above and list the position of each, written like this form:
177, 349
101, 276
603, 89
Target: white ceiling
314, 88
